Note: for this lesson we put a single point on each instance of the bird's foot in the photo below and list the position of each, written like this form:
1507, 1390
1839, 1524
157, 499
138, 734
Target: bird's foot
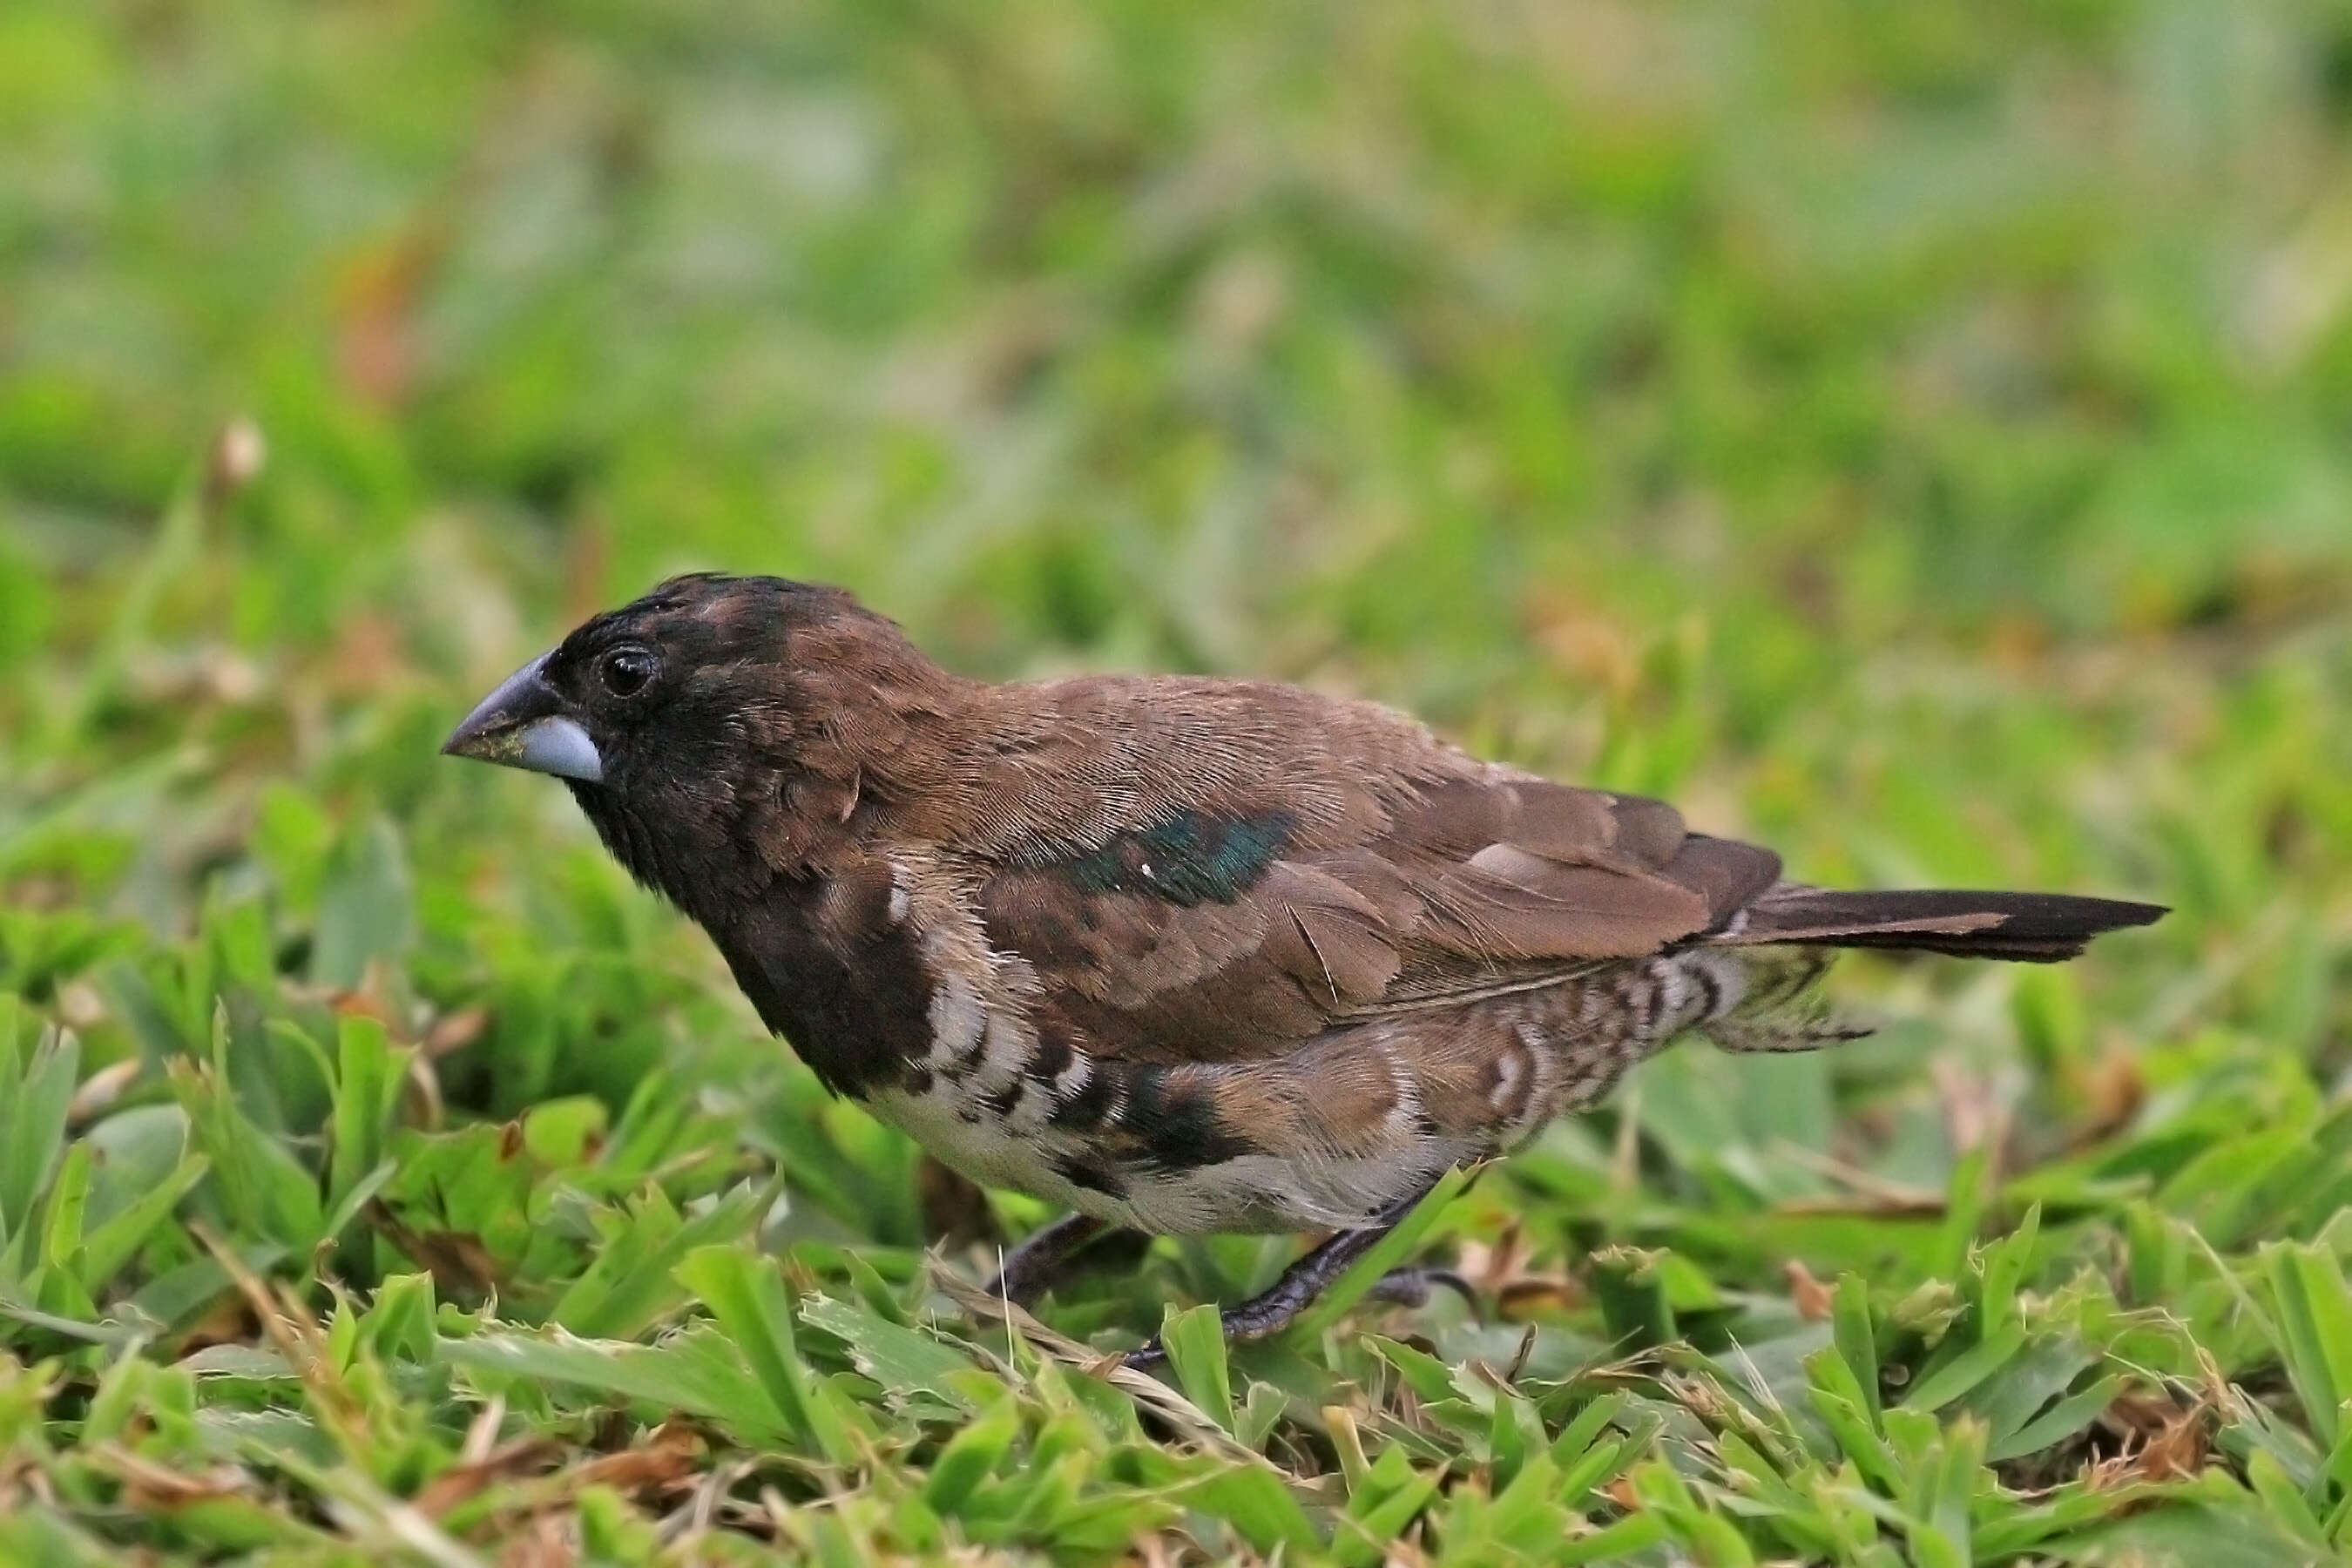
1278, 1308
1410, 1288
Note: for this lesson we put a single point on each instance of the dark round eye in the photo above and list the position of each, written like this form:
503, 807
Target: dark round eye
626, 671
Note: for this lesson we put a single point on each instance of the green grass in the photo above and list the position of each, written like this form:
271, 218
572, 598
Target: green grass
1919, 436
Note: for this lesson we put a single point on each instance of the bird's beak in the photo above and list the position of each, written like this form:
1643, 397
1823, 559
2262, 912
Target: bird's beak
522, 725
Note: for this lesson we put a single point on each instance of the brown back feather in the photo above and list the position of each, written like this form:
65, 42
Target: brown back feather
1410, 873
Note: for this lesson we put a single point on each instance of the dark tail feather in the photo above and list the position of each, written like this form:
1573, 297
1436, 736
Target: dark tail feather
2032, 928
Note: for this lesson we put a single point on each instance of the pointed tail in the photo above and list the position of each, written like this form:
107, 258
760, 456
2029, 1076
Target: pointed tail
2030, 928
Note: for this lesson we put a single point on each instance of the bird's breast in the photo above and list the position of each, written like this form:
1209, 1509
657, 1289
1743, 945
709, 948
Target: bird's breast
855, 1004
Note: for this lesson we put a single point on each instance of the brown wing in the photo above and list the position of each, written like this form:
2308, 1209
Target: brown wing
1360, 869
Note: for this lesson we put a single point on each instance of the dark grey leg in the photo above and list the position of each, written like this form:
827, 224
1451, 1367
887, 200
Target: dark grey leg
1304, 1280
1033, 1265
1410, 1288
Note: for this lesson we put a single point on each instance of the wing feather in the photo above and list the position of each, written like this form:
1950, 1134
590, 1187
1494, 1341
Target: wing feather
1339, 884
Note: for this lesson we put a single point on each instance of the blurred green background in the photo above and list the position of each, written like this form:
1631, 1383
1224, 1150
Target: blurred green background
1919, 435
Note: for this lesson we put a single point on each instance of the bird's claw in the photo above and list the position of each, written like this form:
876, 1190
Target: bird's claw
1398, 1288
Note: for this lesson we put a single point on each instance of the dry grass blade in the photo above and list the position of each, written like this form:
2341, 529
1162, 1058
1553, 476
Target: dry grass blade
298, 1339
509, 1461
98, 1091
1147, 1391
152, 1485
1873, 1195
693, 1521
651, 1467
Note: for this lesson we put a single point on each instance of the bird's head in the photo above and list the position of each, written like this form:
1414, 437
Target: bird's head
648, 695
670, 716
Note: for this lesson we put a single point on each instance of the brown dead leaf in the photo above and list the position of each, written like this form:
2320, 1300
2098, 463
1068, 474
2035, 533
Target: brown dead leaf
371, 998
667, 1456
1489, 1266
148, 1485
1527, 1297
1499, 1270
2177, 1452
509, 1461
456, 1031
1814, 1299
1701, 1397
2164, 1440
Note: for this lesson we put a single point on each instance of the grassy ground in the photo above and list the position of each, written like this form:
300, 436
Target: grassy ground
1920, 437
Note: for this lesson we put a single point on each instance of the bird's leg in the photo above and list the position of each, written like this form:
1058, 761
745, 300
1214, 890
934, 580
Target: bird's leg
1410, 1288
1302, 1281
1033, 1265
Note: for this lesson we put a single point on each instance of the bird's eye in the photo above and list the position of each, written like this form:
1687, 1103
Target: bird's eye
626, 671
